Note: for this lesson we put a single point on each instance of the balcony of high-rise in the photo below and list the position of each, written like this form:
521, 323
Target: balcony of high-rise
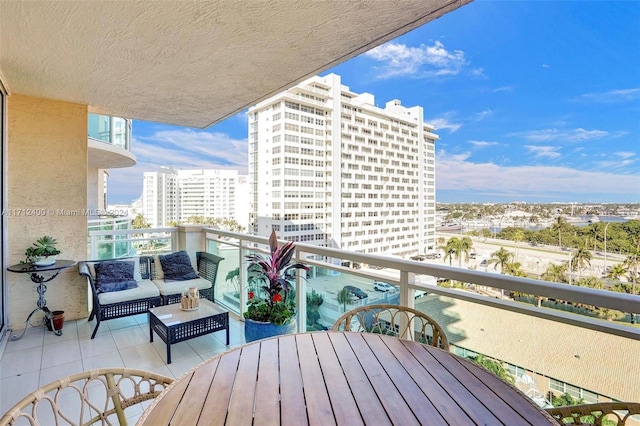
109, 142
166, 65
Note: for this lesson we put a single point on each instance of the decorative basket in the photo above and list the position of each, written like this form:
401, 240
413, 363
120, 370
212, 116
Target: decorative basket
190, 299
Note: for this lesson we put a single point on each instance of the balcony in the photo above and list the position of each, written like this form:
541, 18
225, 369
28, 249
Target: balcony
545, 349
109, 142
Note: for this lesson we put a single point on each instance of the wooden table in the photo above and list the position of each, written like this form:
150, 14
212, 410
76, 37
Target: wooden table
326, 378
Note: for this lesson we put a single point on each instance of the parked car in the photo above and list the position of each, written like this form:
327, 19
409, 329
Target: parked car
382, 286
355, 291
419, 293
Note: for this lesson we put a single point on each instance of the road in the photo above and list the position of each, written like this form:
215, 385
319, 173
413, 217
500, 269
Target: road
534, 259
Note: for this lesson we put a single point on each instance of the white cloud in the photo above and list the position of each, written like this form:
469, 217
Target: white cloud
625, 154
482, 144
612, 96
624, 159
443, 123
186, 148
543, 151
455, 173
503, 89
477, 72
423, 61
567, 135
483, 114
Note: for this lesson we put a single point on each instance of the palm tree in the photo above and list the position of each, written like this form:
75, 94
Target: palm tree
631, 264
140, 222
559, 226
501, 257
592, 282
233, 276
594, 231
344, 297
514, 269
518, 235
458, 247
555, 273
496, 367
581, 257
449, 251
616, 271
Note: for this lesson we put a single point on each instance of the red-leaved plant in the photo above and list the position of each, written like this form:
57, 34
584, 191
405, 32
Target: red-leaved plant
274, 275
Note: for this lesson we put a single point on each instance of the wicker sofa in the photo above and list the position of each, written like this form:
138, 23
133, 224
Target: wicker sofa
148, 293
171, 291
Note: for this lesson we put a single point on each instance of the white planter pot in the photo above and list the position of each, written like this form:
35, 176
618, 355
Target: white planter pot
44, 260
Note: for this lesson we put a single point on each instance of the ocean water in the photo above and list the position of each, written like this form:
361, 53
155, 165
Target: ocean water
607, 218
586, 222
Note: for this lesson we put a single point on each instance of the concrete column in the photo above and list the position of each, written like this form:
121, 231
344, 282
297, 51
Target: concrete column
191, 238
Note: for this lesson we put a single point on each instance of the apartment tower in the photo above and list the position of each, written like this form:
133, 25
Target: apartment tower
171, 195
328, 167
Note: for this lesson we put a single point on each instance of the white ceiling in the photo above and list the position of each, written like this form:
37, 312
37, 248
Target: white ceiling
189, 63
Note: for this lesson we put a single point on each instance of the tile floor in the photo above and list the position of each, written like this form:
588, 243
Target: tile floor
41, 357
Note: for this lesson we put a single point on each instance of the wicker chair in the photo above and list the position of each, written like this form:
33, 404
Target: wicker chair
87, 398
593, 414
393, 320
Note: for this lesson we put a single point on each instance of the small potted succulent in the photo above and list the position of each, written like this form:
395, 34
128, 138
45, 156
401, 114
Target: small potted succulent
271, 310
43, 252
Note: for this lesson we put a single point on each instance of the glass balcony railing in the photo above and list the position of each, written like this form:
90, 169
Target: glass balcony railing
549, 339
112, 130
112, 238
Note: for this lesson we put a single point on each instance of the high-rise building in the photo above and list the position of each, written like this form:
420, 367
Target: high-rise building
328, 167
171, 195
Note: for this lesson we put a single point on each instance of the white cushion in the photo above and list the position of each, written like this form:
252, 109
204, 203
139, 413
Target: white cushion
136, 267
158, 266
176, 287
145, 289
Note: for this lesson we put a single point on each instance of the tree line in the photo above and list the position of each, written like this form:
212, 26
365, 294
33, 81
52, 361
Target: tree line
459, 248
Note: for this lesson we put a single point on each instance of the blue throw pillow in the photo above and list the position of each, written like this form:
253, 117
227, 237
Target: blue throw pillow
177, 266
114, 276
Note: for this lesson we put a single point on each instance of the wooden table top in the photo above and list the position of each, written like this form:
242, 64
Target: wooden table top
325, 378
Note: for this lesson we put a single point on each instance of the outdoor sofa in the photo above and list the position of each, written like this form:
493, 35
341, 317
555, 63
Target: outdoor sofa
130, 286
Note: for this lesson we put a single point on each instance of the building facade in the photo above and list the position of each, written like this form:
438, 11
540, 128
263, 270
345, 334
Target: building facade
171, 195
328, 167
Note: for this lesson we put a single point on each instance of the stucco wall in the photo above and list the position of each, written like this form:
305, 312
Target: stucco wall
47, 173
600, 362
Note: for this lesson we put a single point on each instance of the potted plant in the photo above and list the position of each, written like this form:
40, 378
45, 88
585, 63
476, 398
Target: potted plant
43, 252
271, 310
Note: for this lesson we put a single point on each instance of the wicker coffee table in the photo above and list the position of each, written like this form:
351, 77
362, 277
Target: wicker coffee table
174, 325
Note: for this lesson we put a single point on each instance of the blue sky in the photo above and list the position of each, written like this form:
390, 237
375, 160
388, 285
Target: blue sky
534, 101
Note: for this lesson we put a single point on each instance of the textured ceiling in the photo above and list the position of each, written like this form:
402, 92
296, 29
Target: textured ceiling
189, 63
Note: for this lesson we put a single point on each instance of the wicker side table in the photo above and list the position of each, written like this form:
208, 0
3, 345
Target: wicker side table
175, 325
